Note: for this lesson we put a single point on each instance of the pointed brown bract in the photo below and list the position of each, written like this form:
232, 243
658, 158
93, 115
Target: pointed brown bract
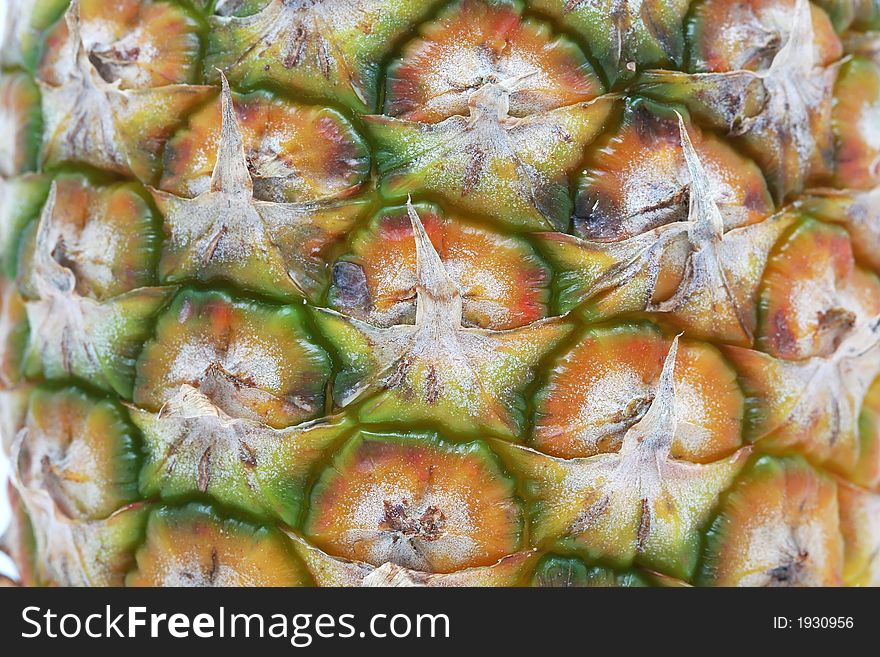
639, 179
772, 91
87, 119
606, 384
73, 330
437, 368
226, 234
503, 281
294, 152
639, 504
192, 446
691, 271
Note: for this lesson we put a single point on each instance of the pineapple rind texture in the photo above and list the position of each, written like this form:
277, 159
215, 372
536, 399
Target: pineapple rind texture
441, 293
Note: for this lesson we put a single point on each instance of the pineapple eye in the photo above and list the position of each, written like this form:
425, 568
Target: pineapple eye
77, 465
824, 340
417, 501
86, 275
227, 233
105, 235
503, 282
193, 545
689, 267
436, 367
856, 117
763, 29
859, 513
294, 152
475, 44
81, 451
813, 295
637, 179
139, 44
252, 361
604, 386
760, 537
118, 126
503, 149
627, 506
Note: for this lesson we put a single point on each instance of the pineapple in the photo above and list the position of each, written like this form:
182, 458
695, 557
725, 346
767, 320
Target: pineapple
414, 292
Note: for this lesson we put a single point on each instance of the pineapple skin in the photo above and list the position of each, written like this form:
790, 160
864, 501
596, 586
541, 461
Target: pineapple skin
424, 293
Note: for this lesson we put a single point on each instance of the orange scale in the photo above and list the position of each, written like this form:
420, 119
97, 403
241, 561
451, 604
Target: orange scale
606, 384
295, 153
516, 293
194, 546
711, 405
607, 209
812, 293
141, 44
860, 526
671, 270
732, 35
252, 361
638, 180
779, 526
13, 336
387, 256
616, 367
503, 282
474, 42
109, 238
417, 501
81, 449
22, 120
